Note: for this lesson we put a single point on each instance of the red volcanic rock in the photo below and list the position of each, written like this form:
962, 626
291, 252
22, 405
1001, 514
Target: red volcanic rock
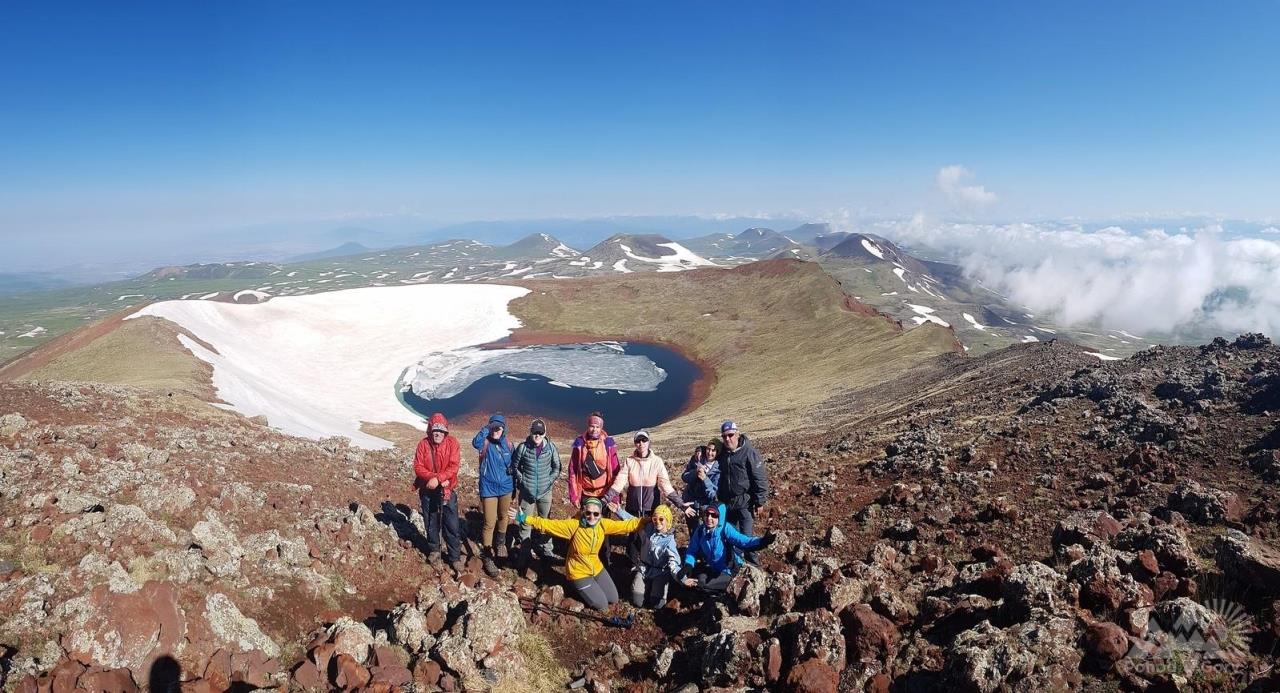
306, 675
218, 671
109, 681
812, 676
426, 672
349, 674
1106, 641
773, 661
128, 630
870, 636
66, 675
393, 675
254, 668
435, 618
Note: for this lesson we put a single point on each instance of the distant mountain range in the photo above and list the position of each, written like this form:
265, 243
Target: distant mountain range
348, 248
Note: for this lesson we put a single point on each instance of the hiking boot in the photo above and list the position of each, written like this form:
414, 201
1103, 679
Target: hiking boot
490, 568
500, 544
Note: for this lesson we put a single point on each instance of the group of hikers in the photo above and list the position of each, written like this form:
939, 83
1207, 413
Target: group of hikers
724, 485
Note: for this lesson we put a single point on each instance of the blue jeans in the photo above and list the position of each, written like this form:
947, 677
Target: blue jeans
438, 514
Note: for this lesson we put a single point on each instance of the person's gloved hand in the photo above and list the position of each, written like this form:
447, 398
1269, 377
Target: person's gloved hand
767, 539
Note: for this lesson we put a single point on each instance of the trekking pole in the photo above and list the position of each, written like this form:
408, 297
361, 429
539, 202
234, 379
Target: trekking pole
623, 622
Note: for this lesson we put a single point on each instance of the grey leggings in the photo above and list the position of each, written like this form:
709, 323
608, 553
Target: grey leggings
651, 592
598, 591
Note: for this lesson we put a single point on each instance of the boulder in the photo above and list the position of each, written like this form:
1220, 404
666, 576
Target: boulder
813, 676
409, 628
1106, 641
1205, 504
234, 628
125, 631
219, 545
1255, 563
352, 638
1166, 542
1038, 655
869, 636
1085, 528
1033, 589
818, 634
1266, 464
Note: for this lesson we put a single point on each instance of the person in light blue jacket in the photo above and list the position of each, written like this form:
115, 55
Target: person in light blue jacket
496, 487
711, 559
658, 562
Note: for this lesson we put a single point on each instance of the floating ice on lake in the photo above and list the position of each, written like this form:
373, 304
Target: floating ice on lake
441, 375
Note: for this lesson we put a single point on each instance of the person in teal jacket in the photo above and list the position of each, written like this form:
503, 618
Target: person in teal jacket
711, 559
496, 486
535, 464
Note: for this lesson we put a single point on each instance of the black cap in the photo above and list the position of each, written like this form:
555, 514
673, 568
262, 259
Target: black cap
538, 426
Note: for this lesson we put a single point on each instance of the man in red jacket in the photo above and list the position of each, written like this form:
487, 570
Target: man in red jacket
435, 466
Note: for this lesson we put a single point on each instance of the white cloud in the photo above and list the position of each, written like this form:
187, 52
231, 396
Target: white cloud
1271, 230
951, 181
1189, 284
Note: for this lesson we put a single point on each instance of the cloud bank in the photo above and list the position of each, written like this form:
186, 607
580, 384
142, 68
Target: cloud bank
1187, 285
951, 181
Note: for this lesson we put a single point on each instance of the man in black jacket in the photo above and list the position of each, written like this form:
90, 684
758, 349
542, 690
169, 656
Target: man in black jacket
744, 485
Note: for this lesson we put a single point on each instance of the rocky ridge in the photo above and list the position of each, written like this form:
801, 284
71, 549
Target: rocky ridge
1027, 520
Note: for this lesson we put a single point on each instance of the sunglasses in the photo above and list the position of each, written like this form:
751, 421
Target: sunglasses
591, 514
728, 435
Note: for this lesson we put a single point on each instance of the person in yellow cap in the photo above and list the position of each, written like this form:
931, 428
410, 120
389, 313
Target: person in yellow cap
586, 534
659, 562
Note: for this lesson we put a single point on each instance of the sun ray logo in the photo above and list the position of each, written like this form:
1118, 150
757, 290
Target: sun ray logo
1184, 636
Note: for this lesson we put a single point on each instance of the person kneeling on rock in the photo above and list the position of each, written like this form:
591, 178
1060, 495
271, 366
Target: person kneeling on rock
711, 558
659, 559
586, 534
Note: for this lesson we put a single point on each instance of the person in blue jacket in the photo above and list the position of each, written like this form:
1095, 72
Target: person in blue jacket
711, 559
496, 486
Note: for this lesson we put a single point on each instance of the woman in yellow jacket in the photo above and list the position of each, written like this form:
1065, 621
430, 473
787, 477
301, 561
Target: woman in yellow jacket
586, 534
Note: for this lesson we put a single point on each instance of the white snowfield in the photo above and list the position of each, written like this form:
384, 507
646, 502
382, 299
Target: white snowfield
319, 365
872, 248
925, 314
683, 258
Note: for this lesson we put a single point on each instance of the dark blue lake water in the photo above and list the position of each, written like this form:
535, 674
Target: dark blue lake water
534, 395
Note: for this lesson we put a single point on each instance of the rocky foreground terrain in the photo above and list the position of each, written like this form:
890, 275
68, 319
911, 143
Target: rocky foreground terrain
1028, 520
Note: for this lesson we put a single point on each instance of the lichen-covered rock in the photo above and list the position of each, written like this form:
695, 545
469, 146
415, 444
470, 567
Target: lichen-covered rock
492, 619
125, 631
1250, 560
409, 628
234, 628
352, 638
1034, 656
1034, 589
1204, 504
1167, 542
218, 544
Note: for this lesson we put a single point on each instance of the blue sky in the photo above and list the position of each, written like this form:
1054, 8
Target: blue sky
124, 120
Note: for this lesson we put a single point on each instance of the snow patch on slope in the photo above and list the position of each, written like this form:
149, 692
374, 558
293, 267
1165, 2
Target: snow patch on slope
319, 365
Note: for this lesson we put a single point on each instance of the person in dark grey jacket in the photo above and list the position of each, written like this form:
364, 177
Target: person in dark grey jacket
744, 484
535, 464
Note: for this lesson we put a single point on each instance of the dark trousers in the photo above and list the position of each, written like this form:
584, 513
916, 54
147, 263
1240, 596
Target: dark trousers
712, 584
439, 514
744, 520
